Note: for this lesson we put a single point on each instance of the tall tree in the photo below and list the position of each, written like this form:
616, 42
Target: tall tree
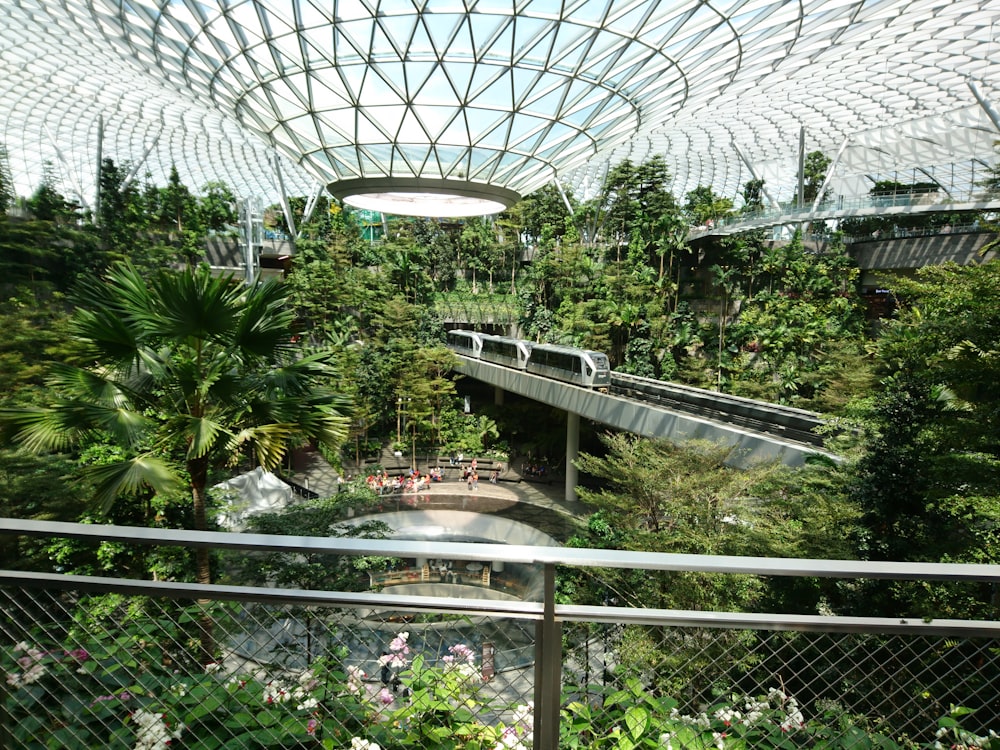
186, 372
47, 203
929, 480
179, 209
7, 194
217, 206
814, 172
121, 215
704, 207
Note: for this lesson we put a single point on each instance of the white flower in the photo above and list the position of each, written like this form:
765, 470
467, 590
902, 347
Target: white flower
152, 731
34, 674
308, 704
728, 715
357, 743
180, 689
524, 715
275, 692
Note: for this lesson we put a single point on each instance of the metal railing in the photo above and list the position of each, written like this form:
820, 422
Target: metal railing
108, 662
847, 207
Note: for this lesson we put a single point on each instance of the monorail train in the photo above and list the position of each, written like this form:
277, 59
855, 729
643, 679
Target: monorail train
468, 343
582, 367
507, 352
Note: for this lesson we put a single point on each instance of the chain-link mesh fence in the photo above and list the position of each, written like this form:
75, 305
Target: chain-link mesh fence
85, 670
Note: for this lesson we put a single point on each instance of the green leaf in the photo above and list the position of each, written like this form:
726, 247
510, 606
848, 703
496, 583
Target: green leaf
637, 721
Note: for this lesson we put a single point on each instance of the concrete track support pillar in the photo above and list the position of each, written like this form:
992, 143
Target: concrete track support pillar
572, 449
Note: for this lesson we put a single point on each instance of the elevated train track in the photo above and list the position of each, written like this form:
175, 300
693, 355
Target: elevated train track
590, 371
785, 422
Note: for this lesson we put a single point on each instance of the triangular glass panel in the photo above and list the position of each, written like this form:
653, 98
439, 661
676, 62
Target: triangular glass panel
332, 135
527, 32
305, 132
524, 126
588, 11
377, 90
415, 156
450, 34
353, 77
414, 77
411, 130
349, 10
437, 89
398, 29
389, 118
456, 134
324, 96
384, 47
460, 74
318, 45
550, 105
495, 137
498, 94
452, 159
434, 120
488, 31
421, 45
370, 167
367, 130
357, 34
345, 160
482, 163
314, 14
480, 120
283, 108
393, 74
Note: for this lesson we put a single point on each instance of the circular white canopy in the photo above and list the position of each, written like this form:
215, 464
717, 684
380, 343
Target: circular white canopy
497, 96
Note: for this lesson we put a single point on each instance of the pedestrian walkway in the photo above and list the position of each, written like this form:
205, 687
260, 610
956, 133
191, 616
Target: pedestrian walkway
538, 499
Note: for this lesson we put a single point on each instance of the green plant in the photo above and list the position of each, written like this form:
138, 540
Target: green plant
123, 691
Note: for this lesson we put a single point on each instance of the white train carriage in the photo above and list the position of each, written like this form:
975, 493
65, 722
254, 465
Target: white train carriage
467, 343
582, 367
507, 352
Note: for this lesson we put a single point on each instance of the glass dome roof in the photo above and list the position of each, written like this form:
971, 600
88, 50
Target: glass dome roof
457, 107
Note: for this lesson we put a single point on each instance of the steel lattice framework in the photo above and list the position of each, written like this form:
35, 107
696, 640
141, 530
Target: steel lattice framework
489, 100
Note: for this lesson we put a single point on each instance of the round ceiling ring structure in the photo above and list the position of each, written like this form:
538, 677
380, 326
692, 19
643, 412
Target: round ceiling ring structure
421, 196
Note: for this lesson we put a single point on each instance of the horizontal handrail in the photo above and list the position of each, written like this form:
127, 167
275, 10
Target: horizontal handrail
511, 553
505, 608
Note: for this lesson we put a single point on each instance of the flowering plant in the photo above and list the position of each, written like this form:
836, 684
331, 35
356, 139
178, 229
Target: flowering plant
127, 696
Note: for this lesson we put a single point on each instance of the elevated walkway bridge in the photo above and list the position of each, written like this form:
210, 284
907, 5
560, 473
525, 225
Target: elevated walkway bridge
756, 431
898, 204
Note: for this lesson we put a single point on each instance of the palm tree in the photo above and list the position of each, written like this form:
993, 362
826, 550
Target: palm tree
186, 372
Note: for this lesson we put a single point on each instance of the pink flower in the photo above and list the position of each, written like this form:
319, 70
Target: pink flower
385, 696
311, 726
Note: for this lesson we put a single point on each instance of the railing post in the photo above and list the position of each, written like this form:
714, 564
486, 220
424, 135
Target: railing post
548, 667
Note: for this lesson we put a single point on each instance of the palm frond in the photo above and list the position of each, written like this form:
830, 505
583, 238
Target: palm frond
196, 306
264, 324
204, 435
36, 430
269, 442
113, 480
92, 385
59, 427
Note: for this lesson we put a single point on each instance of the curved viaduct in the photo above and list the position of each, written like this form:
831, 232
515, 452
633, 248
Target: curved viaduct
648, 420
